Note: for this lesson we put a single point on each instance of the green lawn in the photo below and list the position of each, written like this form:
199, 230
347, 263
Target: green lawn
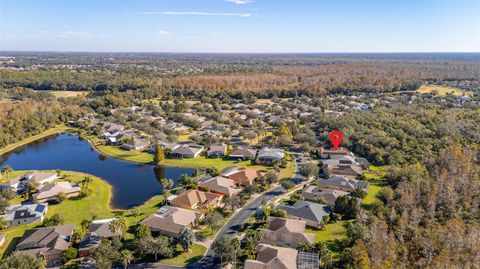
371, 194
203, 161
185, 137
332, 231
186, 258
49, 132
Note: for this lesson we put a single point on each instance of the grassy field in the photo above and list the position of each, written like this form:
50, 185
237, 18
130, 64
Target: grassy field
442, 90
186, 258
371, 194
185, 137
49, 132
65, 94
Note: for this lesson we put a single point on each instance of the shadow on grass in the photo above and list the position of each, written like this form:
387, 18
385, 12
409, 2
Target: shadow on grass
11, 247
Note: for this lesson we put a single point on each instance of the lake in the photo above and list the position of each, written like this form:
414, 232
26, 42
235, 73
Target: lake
132, 183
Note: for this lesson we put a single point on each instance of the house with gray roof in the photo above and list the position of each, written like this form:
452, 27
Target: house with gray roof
187, 151
217, 150
243, 153
19, 184
286, 232
270, 155
24, 214
317, 194
342, 183
310, 212
46, 242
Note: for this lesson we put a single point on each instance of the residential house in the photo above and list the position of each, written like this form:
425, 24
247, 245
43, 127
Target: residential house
317, 194
270, 155
272, 257
187, 151
220, 185
169, 220
195, 199
341, 160
241, 176
20, 183
98, 230
333, 153
46, 242
24, 214
136, 144
243, 153
345, 170
310, 212
218, 150
286, 232
342, 183
50, 192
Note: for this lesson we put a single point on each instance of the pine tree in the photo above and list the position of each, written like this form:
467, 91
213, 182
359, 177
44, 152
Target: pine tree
159, 155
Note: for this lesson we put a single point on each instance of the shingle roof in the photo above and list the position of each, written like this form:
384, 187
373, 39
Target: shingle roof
287, 231
47, 238
308, 210
221, 185
51, 190
271, 257
171, 219
102, 228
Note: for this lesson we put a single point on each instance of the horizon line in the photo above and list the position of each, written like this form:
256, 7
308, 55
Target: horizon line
240, 52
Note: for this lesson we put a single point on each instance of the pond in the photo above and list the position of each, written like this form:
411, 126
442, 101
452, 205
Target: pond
132, 183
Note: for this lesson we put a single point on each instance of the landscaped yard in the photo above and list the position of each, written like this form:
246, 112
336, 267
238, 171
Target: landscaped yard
371, 194
332, 231
186, 258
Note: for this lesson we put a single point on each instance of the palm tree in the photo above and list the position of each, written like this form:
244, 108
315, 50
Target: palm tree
7, 169
87, 181
127, 257
117, 226
167, 185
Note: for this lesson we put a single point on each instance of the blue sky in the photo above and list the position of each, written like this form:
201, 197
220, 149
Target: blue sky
241, 25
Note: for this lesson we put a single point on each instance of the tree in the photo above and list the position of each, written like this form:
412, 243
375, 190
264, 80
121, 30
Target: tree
232, 202
309, 170
186, 238
279, 212
213, 220
359, 193
262, 213
346, 206
6, 170
69, 254
54, 220
188, 182
126, 257
167, 185
143, 231
61, 196
161, 245
325, 254
135, 212
22, 261
213, 171
227, 247
105, 254
118, 226
159, 155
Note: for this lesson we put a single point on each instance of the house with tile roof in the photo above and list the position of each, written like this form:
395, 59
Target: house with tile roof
50, 192
197, 200
241, 176
220, 185
169, 220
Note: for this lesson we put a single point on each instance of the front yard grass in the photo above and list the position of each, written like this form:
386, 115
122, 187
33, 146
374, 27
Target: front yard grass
373, 190
183, 258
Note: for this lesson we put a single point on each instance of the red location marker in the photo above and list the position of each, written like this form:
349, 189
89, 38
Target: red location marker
336, 138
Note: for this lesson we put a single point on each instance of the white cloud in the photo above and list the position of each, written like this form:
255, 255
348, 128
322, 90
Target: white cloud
240, 2
195, 13
163, 32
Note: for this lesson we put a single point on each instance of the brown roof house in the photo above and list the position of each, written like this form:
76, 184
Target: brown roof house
50, 192
218, 150
46, 242
169, 220
271, 257
333, 153
187, 151
345, 170
97, 231
241, 176
195, 199
220, 185
243, 153
286, 232
322, 195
